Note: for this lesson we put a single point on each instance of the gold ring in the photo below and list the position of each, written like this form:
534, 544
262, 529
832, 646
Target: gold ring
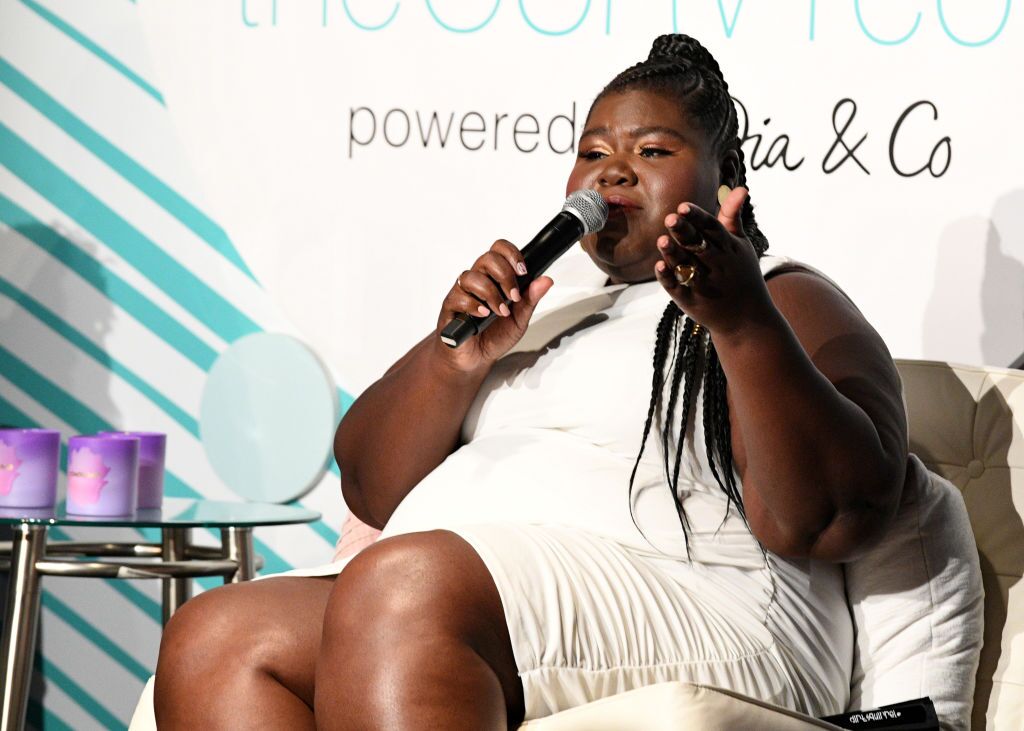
685, 273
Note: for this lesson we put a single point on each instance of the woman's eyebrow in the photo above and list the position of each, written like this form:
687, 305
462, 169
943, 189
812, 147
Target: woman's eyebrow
594, 132
657, 130
635, 132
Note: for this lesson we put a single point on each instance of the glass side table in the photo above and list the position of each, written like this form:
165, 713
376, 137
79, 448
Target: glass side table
29, 557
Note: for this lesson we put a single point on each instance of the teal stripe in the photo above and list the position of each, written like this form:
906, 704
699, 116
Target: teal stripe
93, 47
174, 486
103, 715
158, 191
320, 527
325, 531
345, 400
94, 216
95, 636
55, 323
139, 598
44, 719
11, 415
51, 396
272, 563
108, 283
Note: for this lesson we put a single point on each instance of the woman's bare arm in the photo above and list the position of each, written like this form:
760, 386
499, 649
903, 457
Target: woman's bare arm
819, 431
408, 422
401, 428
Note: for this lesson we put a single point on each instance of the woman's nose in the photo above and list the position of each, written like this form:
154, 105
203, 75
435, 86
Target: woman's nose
617, 171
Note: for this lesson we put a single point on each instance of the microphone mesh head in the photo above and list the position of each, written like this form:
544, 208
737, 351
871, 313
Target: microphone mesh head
588, 206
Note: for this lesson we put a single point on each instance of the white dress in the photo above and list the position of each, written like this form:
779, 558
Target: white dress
595, 606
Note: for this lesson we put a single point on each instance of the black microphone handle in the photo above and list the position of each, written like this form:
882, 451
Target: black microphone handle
555, 239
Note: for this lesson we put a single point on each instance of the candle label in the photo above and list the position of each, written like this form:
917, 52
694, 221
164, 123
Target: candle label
86, 473
9, 464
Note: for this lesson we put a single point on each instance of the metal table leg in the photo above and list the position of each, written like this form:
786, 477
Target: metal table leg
20, 622
174, 544
238, 542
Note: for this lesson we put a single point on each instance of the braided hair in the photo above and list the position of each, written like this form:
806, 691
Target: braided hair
684, 354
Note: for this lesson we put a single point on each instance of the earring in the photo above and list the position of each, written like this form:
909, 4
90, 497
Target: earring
723, 193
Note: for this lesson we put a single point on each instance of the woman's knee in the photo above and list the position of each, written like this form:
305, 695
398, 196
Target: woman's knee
419, 585
400, 578
206, 630
250, 624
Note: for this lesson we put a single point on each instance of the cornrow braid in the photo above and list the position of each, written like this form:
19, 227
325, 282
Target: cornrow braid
666, 336
717, 430
665, 329
750, 227
679, 66
690, 369
679, 352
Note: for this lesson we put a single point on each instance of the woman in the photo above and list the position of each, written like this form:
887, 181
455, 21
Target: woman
576, 563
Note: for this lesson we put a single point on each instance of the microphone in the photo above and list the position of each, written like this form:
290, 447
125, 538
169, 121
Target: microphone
584, 212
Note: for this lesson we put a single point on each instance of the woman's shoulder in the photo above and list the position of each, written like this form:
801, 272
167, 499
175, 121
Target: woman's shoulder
809, 283
772, 266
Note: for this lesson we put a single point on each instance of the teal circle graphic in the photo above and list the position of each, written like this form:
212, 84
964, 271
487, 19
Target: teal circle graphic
267, 418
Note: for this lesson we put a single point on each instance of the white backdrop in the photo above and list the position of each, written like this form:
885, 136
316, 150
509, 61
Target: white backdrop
357, 228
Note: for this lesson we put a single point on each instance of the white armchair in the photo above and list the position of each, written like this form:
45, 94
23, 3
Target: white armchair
966, 424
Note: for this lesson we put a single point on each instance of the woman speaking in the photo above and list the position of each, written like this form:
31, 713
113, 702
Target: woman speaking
653, 476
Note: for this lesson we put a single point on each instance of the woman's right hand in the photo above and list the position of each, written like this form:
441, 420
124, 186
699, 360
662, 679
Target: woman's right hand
483, 288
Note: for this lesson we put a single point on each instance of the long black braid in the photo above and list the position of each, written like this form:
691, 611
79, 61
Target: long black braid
684, 353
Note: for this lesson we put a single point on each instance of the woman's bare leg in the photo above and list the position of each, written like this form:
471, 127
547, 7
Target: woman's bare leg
415, 638
243, 656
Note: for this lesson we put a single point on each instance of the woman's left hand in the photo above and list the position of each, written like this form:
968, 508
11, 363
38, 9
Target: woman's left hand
726, 289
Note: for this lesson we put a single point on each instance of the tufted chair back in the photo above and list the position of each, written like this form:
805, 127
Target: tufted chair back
967, 424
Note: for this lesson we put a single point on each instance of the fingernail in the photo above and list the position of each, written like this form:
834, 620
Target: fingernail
484, 312
663, 242
514, 294
671, 220
503, 309
521, 269
660, 266
684, 210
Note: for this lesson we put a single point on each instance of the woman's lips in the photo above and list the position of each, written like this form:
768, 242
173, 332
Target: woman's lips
619, 205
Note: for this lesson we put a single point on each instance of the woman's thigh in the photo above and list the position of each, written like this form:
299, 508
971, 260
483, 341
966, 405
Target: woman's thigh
272, 626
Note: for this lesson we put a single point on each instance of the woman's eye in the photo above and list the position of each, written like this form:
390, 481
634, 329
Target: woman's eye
591, 154
653, 152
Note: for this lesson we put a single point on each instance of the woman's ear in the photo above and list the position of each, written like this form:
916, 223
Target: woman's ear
729, 169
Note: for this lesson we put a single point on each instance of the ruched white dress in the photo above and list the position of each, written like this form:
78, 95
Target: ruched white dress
596, 604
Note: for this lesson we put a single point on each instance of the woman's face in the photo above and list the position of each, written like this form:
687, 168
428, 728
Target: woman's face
642, 154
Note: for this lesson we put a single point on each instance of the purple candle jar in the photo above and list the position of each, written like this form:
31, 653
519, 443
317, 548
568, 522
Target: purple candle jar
152, 450
103, 475
29, 459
